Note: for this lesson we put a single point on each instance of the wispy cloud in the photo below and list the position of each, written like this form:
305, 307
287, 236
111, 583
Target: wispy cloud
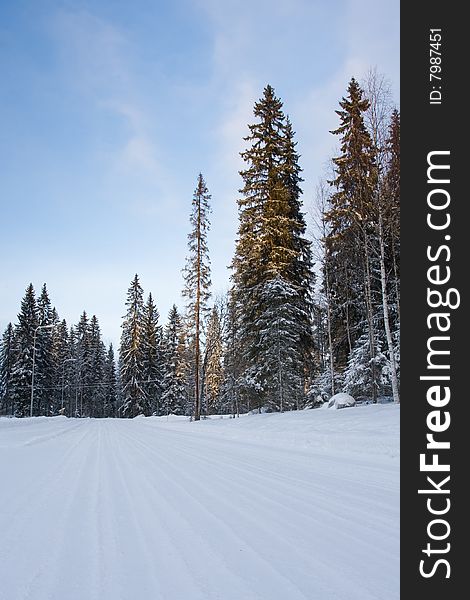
96, 58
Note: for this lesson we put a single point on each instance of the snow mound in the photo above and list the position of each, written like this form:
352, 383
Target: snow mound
341, 400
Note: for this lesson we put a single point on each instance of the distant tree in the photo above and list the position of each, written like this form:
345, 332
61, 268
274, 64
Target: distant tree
96, 378
110, 384
21, 375
152, 356
213, 363
131, 355
44, 363
7, 361
197, 280
60, 357
173, 384
83, 365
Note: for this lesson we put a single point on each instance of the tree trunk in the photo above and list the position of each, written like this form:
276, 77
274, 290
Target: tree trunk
388, 333
370, 316
197, 406
328, 325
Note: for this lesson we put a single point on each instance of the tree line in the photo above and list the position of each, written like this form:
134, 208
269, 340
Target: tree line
303, 318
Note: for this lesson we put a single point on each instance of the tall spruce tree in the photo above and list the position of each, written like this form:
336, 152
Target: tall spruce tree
21, 376
173, 385
152, 365
83, 365
197, 281
351, 226
131, 355
7, 361
110, 384
271, 247
213, 363
60, 355
44, 361
96, 377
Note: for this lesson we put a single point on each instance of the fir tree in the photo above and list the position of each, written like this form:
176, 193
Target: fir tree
213, 366
7, 361
173, 386
197, 280
21, 375
271, 246
44, 363
96, 377
152, 365
60, 355
364, 372
351, 223
281, 376
110, 385
131, 355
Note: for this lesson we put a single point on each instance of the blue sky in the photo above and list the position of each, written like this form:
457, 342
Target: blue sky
110, 109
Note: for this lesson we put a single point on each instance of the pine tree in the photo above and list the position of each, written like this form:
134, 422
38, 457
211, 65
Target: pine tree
21, 375
44, 365
392, 212
364, 372
131, 354
281, 375
72, 374
97, 391
351, 223
173, 386
213, 365
271, 247
197, 280
7, 361
152, 365
110, 385
60, 357
83, 366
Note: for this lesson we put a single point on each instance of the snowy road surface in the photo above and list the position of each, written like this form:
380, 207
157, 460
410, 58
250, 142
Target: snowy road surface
268, 507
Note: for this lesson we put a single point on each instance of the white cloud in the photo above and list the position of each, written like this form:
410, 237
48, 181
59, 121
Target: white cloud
97, 61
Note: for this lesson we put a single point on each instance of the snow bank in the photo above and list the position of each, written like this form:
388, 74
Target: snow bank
371, 429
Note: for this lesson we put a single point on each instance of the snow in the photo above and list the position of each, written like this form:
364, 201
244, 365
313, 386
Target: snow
300, 506
341, 400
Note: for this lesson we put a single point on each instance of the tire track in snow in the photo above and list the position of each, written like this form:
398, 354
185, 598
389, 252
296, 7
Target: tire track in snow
352, 493
36, 492
38, 573
280, 510
260, 542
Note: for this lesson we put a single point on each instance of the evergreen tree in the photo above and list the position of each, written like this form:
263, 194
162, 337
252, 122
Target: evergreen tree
271, 247
364, 372
72, 374
44, 363
110, 385
7, 361
173, 386
60, 357
22, 372
96, 378
350, 243
83, 366
152, 365
213, 365
197, 280
281, 375
131, 355
392, 213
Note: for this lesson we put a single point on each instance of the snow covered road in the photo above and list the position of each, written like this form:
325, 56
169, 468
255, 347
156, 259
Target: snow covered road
267, 507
